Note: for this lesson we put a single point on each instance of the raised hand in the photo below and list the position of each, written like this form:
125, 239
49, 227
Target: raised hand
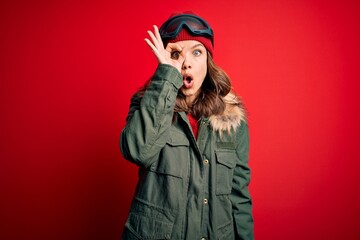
171, 55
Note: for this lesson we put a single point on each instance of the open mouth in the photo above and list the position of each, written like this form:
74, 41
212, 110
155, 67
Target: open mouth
188, 81
188, 78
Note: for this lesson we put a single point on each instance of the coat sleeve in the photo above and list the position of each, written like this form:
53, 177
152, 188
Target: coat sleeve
149, 119
240, 196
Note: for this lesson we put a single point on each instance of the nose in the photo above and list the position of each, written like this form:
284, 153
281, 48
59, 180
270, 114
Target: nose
186, 64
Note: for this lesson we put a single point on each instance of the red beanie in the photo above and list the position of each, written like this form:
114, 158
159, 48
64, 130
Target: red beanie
185, 35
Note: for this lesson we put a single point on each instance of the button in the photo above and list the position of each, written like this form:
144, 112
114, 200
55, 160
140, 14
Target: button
206, 161
203, 238
205, 201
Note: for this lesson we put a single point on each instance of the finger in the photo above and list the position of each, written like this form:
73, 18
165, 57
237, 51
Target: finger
150, 44
158, 36
155, 51
178, 63
154, 39
173, 47
181, 60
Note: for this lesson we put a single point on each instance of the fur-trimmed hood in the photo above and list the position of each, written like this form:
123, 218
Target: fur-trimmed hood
232, 116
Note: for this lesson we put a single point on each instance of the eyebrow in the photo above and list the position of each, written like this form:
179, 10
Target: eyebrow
197, 45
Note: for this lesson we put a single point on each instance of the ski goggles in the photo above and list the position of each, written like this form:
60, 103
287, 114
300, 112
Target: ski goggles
196, 26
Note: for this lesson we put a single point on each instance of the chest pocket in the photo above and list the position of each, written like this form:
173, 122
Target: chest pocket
174, 156
225, 164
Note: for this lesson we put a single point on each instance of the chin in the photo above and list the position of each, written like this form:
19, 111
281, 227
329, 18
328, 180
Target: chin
187, 94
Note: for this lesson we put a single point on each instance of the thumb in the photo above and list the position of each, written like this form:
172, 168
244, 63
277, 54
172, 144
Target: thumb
179, 63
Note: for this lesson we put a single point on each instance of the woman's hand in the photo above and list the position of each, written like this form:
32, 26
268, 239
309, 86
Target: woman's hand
171, 55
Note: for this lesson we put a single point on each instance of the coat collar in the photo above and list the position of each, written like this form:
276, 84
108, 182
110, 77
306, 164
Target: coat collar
231, 118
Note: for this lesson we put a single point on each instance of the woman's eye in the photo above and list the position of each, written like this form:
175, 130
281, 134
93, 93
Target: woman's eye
197, 53
175, 55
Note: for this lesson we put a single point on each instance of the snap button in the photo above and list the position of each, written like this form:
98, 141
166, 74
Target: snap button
205, 201
206, 161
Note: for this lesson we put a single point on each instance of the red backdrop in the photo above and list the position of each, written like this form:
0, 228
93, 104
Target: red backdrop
68, 69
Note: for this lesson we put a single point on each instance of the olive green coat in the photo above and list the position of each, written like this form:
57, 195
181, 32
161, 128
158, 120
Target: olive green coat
187, 188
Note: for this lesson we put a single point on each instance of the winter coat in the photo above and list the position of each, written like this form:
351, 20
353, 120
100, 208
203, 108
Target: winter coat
188, 188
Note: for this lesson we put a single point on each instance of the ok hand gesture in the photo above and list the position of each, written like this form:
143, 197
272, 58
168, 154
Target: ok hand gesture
171, 55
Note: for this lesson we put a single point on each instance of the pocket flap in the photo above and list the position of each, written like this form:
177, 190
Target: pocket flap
227, 158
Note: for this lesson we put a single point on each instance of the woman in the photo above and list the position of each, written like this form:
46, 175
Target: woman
187, 133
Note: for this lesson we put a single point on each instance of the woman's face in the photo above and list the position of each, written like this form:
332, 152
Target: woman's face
194, 68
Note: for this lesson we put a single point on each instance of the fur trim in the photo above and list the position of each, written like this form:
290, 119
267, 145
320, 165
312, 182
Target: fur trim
232, 116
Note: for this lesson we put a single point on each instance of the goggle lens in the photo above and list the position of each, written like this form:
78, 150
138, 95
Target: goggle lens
196, 25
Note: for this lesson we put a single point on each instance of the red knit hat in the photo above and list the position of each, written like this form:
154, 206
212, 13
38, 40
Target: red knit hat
185, 35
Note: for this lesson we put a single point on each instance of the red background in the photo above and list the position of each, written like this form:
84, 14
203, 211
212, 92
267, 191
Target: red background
68, 69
